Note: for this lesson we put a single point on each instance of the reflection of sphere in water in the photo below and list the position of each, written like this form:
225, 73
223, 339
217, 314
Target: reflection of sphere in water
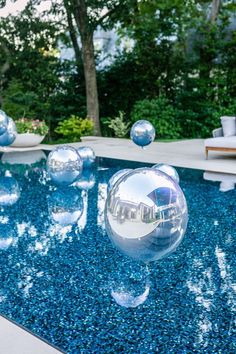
117, 176
10, 134
7, 236
66, 206
86, 181
64, 165
130, 286
142, 133
3, 122
9, 191
87, 155
169, 170
146, 214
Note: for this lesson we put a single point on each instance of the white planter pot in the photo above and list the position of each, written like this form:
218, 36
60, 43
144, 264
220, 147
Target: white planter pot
27, 140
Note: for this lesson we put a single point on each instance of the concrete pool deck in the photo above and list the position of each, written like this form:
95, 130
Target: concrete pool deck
185, 153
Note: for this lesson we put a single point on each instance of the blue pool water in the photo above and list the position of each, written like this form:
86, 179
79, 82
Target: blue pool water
66, 282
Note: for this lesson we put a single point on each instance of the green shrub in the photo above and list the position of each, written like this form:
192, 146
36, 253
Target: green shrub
75, 127
161, 114
118, 126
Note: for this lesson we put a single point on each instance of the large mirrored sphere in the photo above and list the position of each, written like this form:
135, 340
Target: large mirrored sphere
146, 214
3, 122
142, 133
10, 134
87, 155
9, 191
169, 170
116, 177
65, 206
64, 165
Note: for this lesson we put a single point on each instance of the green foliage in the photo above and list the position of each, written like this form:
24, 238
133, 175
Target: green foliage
18, 103
25, 125
161, 114
119, 127
75, 127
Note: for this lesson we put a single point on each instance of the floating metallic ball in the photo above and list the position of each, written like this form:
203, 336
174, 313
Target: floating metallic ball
146, 214
65, 206
10, 134
87, 155
116, 177
9, 191
64, 165
142, 133
169, 170
3, 122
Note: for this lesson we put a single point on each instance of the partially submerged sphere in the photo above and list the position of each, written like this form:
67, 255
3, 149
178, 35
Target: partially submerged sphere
3, 122
142, 133
116, 177
9, 191
64, 165
87, 155
66, 206
10, 134
169, 170
86, 181
146, 214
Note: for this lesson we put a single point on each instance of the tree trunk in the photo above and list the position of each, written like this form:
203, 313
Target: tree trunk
86, 33
91, 82
215, 9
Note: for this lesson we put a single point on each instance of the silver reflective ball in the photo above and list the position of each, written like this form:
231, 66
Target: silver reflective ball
64, 165
87, 155
65, 206
3, 122
142, 133
86, 181
169, 170
10, 134
116, 177
9, 191
146, 214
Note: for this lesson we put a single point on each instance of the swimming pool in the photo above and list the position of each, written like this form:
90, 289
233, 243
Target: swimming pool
62, 279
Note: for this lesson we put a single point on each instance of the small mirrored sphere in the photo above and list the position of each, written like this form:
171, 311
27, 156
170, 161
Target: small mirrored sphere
142, 133
87, 155
86, 181
10, 134
146, 214
64, 165
9, 191
65, 206
169, 170
116, 177
3, 122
